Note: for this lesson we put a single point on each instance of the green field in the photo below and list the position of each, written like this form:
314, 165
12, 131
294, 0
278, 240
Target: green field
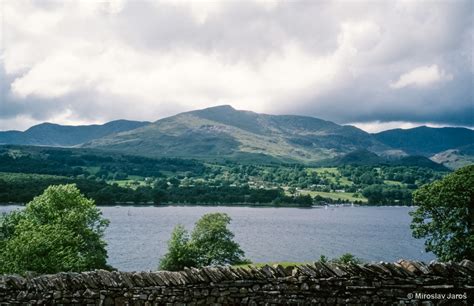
129, 183
8, 176
336, 195
331, 174
394, 183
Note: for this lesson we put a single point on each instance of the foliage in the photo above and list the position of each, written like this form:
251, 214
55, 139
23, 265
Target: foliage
111, 178
21, 188
214, 242
346, 259
210, 243
60, 230
383, 194
445, 216
180, 251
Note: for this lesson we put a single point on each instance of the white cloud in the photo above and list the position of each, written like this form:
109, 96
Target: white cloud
20, 122
103, 60
377, 126
181, 75
422, 76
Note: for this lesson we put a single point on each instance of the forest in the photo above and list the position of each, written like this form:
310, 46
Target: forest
111, 178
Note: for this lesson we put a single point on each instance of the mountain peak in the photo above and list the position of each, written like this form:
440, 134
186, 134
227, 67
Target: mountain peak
220, 107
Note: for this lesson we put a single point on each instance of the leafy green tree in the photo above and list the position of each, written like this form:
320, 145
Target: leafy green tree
210, 243
60, 230
445, 215
214, 242
180, 251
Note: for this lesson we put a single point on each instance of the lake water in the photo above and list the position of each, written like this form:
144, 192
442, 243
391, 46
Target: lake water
137, 236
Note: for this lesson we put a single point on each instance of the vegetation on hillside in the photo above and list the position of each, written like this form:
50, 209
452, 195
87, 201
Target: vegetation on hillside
50, 134
115, 178
425, 140
223, 133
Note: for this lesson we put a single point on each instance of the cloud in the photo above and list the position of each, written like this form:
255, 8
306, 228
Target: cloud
377, 126
422, 76
93, 61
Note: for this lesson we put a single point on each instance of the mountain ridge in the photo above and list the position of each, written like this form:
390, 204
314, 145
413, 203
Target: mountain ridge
52, 134
222, 132
426, 141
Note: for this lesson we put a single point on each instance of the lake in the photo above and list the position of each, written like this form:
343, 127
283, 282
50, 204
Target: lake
137, 236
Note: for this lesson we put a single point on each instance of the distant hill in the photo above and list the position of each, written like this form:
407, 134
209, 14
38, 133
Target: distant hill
49, 134
455, 158
367, 158
223, 132
358, 158
426, 141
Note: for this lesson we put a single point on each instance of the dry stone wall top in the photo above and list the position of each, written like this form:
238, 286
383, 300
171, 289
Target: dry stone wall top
402, 282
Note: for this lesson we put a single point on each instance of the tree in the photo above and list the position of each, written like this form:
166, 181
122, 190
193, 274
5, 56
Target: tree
445, 215
213, 241
60, 230
180, 251
210, 243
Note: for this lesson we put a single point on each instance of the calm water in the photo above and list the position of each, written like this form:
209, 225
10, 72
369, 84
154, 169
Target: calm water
137, 236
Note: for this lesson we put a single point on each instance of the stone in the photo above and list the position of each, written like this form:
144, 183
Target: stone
381, 283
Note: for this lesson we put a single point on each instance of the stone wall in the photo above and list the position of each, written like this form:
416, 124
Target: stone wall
404, 282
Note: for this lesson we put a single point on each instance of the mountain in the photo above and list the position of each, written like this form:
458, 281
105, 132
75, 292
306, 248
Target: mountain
425, 140
366, 158
223, 132
455, 158
360, 157
49, 134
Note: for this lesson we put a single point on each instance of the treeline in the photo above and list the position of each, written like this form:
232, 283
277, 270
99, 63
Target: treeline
117, 178
77, 162
387, 195
23, 188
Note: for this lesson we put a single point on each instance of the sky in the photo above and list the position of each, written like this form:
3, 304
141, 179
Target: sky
375, 64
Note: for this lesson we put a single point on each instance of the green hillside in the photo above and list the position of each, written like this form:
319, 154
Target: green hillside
49, 134
425, 140
455, 158
225, 133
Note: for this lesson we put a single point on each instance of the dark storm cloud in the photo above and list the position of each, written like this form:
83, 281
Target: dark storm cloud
90, 61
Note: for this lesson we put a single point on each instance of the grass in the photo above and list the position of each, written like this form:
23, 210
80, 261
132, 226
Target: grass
128, 183
9, 176
394, 183
336, 195
91, 169
326, 169
331, 174
284, 264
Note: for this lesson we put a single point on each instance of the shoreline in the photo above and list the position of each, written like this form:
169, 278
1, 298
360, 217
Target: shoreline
226, 205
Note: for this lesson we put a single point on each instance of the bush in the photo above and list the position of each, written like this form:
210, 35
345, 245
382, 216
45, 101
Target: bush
346, 259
